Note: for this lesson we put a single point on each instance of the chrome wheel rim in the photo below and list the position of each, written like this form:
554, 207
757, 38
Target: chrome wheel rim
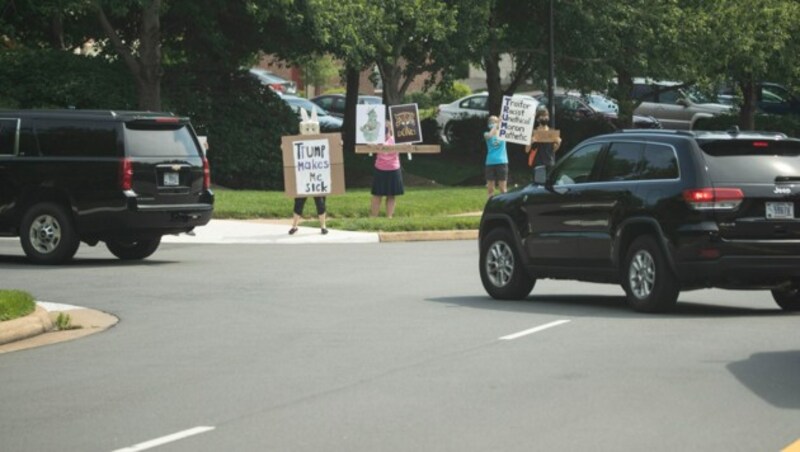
500, 264
642, 274
45, 234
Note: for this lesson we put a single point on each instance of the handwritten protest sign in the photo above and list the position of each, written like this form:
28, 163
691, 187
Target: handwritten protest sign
516, 119
546, 136
313, 165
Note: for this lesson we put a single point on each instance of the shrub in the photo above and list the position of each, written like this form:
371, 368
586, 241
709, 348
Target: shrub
449, 93
338, 90
788, 124
243, 120
430, 131
45, 78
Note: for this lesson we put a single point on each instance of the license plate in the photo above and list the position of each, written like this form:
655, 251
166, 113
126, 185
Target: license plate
171, 179
780, 210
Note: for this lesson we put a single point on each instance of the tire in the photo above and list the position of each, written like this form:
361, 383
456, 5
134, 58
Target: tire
448, 134
788, 299
48, 235
133, 249
502, 272
647, 279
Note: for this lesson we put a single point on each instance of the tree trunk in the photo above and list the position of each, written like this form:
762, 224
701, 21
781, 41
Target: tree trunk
57, 31
626, 102
491, 61
350, 102
747, 114
146, 69
392, 78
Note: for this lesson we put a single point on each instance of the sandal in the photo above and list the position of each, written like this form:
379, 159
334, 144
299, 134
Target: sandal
292, 231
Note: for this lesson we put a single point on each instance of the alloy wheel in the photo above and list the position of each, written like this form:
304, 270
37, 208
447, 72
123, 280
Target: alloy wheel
642, 274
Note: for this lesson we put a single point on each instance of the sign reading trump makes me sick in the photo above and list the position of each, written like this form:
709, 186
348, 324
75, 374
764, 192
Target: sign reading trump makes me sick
313, 165
516, 120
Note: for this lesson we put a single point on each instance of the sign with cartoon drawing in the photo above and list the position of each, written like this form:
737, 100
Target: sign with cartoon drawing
370, 124
405, 123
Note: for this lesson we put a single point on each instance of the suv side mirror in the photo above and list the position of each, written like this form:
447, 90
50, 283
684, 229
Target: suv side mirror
683, 102
540, 175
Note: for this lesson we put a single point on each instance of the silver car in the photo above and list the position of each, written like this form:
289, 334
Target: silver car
474, 105
674, 104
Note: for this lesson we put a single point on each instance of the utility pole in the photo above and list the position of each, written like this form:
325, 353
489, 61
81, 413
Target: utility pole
551, 102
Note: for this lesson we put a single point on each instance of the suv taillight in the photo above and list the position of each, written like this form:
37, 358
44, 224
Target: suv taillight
126, 174
713, 198
206, 174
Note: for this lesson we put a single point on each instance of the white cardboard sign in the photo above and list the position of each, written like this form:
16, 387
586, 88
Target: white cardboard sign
516, 120
312, 160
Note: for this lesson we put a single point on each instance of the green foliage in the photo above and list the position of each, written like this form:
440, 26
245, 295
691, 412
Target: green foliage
64, 322
448, 92
46, 78
788, 124
337, 90
15, 304
244, 123
318, 70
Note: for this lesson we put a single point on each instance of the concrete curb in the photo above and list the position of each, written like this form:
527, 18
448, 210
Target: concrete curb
37, 329
423, 236
33, 324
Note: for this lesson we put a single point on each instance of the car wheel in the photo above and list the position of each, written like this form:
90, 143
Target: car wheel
47, 234
502, 272
449, 135
133, 249
788, 299
647, 279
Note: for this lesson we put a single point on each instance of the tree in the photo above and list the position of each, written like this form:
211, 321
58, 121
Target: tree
749, 42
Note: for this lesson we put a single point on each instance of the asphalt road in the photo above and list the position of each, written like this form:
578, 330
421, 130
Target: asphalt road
388, 347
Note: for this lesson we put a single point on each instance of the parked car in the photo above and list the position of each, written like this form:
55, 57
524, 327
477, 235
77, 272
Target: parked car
673, 104
124, 178
334, 103
474, 105
327, 122
771, 98
278, 84
575, 106
657, 212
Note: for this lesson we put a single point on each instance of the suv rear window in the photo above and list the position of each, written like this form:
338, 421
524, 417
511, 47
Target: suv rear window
765, 147
144, 141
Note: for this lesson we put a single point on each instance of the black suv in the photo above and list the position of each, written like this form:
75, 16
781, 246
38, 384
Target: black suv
125, 178
657, 212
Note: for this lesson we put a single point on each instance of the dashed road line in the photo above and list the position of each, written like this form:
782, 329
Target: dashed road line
534, 330
166, 439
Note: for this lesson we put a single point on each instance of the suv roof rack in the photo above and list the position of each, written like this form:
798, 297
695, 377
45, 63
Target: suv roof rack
659, 131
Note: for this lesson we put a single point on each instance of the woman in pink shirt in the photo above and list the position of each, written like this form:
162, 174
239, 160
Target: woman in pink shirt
387, 178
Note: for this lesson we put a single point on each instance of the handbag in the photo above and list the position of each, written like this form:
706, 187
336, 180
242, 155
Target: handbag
532, 157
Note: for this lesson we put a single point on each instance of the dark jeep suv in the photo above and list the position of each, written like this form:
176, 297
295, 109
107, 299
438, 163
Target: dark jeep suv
125, 178
657, 212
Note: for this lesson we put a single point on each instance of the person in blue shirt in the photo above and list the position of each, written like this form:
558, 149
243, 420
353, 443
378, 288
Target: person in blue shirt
496, 158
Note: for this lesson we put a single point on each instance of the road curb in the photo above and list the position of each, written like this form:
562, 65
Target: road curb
33, 324
423, 236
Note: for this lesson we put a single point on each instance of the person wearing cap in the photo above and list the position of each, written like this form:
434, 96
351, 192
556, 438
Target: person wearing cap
545, 153
496, 158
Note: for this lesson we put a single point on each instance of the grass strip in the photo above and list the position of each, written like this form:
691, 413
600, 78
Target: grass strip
15, 304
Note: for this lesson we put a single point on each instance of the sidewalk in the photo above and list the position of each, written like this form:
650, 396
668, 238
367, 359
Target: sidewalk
276, 232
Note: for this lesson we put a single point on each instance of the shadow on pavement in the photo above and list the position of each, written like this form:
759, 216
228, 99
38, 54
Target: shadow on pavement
603, 306
773, 376
20, 261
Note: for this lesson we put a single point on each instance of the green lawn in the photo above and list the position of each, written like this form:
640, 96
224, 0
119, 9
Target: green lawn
418, 209
15, 303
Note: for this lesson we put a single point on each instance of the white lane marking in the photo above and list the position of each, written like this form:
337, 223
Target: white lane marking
534, 330
165, 439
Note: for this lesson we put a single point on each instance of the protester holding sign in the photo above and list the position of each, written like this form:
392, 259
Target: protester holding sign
496, 158
544, 153
387, 179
